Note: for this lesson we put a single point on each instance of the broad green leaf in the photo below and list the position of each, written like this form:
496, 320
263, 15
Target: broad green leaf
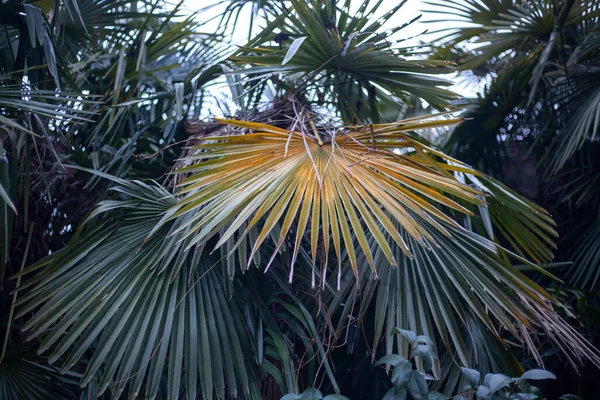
410, 336
401, 374
311, 394
483, 392
396, 394
391, 359
472, 376
537, 374
498, 381
417, 386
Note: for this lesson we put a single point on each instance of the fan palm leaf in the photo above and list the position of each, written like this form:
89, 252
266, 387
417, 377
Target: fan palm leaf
546, 57
134, 301
436, 292
346, 57
501, 27
583, 99
490, 117
141, 304
341, 184
24, 375
467, 12
135, 286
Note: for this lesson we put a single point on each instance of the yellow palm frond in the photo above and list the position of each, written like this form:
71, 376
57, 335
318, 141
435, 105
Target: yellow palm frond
351, 186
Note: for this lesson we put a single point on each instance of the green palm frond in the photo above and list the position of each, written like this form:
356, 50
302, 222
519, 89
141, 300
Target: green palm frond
141, 304
29, 116
508, 25
86, 21
165, 312
490, 354
466, 13
436, 292
492, 121
17, 99
24, 376
546, 48
347, 58
33, 41
150, 80
585, 272
234, 9
154, 294
8, 210
466, 278
584, 124
513, 220
578, 186
340, 184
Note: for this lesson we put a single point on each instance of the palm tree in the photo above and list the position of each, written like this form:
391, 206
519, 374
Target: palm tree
540, 59
261, 253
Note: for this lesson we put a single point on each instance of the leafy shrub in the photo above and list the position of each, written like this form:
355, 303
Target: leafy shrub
409, 382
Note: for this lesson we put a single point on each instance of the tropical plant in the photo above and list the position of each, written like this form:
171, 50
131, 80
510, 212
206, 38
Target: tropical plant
408, 382
540, 106
153, 254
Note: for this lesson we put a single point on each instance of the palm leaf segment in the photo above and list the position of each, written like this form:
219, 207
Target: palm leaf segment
351, 186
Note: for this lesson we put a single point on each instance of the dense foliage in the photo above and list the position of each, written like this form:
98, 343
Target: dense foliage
408, 382
539, 110
149, 250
